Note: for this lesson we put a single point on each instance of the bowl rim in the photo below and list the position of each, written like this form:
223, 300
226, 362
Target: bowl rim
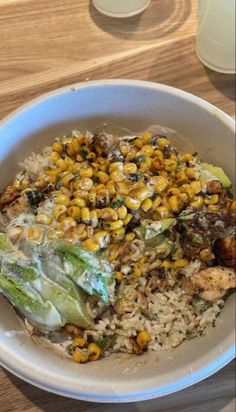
9, 362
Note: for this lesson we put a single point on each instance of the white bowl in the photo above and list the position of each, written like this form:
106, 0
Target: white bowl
135, 105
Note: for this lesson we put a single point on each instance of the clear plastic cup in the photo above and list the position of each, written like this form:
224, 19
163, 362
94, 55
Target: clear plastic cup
121, 8
215, 46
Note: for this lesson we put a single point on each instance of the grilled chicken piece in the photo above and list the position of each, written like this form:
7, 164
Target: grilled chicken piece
19, 206
8, 196
212, 283
225, 251
106, 142
214, 187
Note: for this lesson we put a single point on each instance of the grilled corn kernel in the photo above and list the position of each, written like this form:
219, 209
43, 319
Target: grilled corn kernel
61, 165
187, 189
116, 166
163, 212
62, 200
102, 177
43, 218
102, 237
75, 168
53, 172
197, 202
212, 200
143, 339
206, 255
147, 150
158, 163
91, 245
173, 191
80, 356
146, 137
132, 154
143, 260
86, 172
181, 177
184, 198
111, 187
119, 276
122, 188
85, 215
161, 184
74, 211
35, 233
191, 173
54, 234
58, 211
130, 236
142, 194
174, 204
78, 342
118, 234
83, 235
94, 351
171, 165
130, 168
66, 180
94, 218
83, 194
15, 233
108, 214
146, 205
132, 203
124, 149
114, 225
92, 199
145, 165
65, 191
84, 184
78, 202
138, 143
137, 271
214, 208
117, 176
127, 219
57, 147
233, 206
180, 263
185, 157
122, 212
67, 223
166, 264
156, 202
162, 142
196, 187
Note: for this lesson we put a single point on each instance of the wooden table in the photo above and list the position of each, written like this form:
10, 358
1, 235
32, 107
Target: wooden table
45, 45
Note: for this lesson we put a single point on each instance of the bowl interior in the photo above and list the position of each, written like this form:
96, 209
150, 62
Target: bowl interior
135, 106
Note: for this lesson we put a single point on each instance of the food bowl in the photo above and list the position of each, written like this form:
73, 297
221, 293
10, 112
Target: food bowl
136, 106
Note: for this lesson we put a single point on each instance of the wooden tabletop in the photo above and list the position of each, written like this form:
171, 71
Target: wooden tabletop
48, 44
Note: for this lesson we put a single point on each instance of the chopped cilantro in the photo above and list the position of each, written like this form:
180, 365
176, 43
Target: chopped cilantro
198, 239
83, 152
117, 202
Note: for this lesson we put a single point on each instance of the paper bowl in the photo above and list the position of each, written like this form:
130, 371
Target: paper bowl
135, 105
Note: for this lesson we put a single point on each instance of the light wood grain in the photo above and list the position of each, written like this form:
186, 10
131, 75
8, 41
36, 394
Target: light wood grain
45, 45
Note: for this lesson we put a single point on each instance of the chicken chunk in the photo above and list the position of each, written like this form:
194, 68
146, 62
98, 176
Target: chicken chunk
212, 283
20, 205
107, 142
225, 251
8, 196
